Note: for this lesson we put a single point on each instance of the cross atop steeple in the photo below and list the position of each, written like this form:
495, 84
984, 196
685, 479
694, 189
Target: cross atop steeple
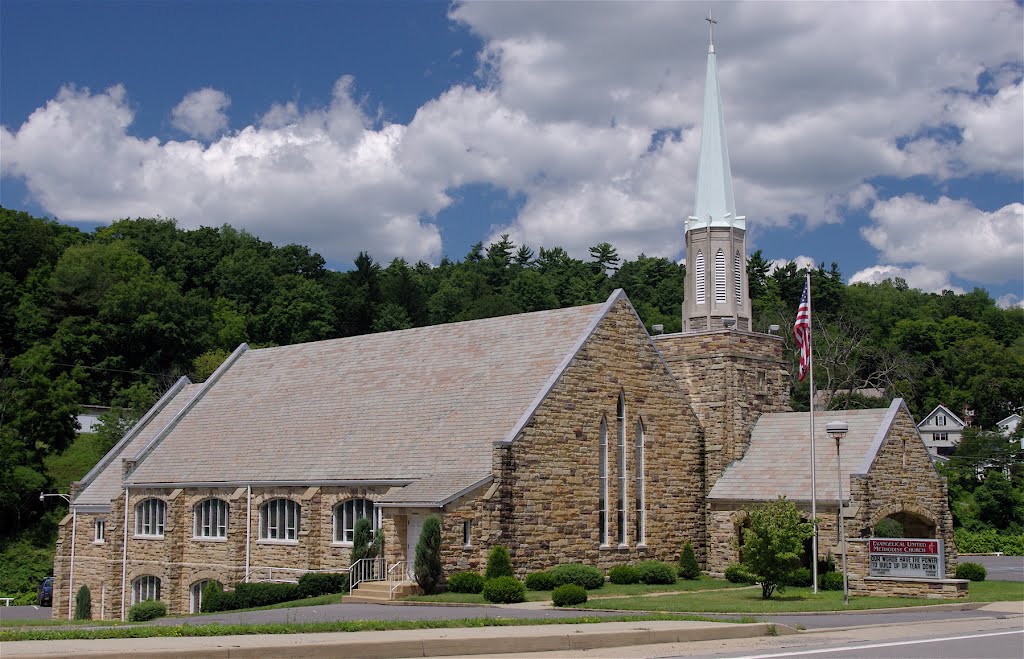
711, 32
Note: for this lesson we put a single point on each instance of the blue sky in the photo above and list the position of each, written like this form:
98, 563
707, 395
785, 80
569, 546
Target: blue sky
888, 137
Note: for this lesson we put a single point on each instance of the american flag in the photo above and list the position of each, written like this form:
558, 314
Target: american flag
802, 330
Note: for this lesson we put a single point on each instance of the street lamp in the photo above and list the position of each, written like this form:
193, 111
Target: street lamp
43, 495
837, 430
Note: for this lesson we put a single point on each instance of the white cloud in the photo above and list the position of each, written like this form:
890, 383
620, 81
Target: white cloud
202, 113
1010, 301
802, 263
950, 235
920, 277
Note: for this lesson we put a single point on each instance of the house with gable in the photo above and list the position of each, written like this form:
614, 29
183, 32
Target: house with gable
569, 435
941, 430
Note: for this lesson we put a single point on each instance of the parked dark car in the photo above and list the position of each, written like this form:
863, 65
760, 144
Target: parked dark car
45, 596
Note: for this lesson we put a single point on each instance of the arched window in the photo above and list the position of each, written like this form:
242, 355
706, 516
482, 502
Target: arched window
145, 588
738, 277
699, 277
347, 513
150, 515
620, 413
602, 471
641, 512
195, 594
279, 520
720, 277
210, 519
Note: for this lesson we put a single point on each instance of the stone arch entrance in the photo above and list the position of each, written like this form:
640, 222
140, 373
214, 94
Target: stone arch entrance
916, 522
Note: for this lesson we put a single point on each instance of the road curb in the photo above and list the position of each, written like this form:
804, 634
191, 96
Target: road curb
403, 643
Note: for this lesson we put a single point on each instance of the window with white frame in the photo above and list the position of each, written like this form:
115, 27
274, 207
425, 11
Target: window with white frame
210, 519
195, 594
738, 277
699, 277
621, 508
720, 277
99, 531
347, 513
145, 588
602, 483
940, 419
279, 520
641, 509
150, 515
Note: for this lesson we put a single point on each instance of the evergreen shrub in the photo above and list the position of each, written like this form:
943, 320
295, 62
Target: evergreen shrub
504, 590
148, 610
427, 566
249, 595
83, 604
972, 571
688, 566
499, 563
585, 576
624, 574
568, 595
216, 599
539, 581
315, 584
656, 572
465, 582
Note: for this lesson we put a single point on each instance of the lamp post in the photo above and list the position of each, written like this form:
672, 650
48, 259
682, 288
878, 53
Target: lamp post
837, 430
43, 495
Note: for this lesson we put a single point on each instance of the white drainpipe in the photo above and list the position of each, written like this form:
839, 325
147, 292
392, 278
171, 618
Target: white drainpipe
71, 570
124, 552
248, 523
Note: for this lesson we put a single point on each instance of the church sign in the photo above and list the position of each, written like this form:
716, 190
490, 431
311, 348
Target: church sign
900, 557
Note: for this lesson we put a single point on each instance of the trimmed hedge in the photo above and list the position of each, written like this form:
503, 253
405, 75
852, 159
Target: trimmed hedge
736, 573
465, 582
830, 581
216, 599
972, 571
539, 581
657, 572
568, 595
504, 590
499, 563
624, 574
315, 584
585, 576
249, 595
148, 610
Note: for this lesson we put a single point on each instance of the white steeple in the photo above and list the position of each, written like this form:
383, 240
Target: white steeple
714, 176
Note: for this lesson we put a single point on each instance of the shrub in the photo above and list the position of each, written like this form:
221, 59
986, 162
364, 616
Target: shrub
584, 576
361, 539
539, 581
315, 584
656, 572
688, 566
887, 527
738, 574
148, 610
504, 590
427, 567
568, 595
827, 565
249, 595
972, 571
624, 574
988, 541
830, 581
800, 577
215, 599
499, 563
466, 582
83, 604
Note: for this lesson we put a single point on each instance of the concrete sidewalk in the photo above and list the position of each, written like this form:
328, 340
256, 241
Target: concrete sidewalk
400, 643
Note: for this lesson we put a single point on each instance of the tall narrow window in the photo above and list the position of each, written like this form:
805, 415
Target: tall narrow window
347, 513
621, 517
279, 520
150, 515
100, 531
641, 513
699, 278
720, 277
210, 519
467, 533
602, 483
738, 277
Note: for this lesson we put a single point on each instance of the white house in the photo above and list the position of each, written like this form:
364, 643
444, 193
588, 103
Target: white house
1009, 425
941, 430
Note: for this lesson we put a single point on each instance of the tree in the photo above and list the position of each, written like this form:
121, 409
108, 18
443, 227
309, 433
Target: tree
605, 257
773, 543
361, 539
427, 567
688, 566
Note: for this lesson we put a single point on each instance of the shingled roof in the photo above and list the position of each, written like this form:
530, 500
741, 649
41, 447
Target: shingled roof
420, 407
778, 461
103, 482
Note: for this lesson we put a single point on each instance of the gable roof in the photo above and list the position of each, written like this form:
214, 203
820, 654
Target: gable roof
103, 482
941, 408
778, 460
396, 407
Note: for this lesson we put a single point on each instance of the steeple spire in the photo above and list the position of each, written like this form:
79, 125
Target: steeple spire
711, 32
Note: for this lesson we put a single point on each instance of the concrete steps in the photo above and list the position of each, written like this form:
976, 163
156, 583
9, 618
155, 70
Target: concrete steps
370, 592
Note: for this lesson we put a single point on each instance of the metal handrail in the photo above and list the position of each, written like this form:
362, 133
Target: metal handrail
393, 584
366, 569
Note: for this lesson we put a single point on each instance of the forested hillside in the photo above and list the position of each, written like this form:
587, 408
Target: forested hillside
114, 317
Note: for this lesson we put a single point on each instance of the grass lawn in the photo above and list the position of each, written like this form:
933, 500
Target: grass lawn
608, 590
795, 600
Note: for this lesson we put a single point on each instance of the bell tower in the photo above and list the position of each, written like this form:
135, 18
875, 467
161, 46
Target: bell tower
716, 255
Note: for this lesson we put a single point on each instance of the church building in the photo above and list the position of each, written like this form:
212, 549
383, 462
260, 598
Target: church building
569, 435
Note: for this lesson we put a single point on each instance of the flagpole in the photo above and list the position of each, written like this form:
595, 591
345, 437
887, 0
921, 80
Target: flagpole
814, 488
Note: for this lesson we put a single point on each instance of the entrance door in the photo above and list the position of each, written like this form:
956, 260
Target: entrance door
413, 527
